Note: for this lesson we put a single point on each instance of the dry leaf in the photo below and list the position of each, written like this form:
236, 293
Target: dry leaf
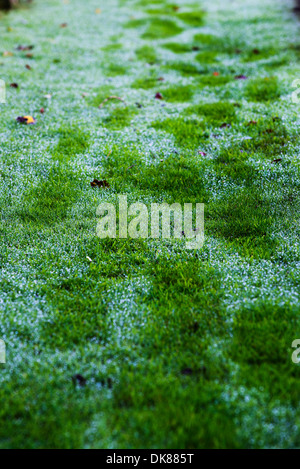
24, 48
96, 183
28, 120
241, 77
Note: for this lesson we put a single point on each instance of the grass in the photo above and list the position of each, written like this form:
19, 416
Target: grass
197, 340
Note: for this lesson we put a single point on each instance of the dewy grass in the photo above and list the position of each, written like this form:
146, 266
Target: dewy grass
161, 28
187, 132
146, 54
263, 89
106, 337
216, 113
178, 94
193, 18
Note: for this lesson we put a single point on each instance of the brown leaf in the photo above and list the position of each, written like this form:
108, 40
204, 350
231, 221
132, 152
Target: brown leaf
28, 67
79, 379
241, 77
14, 85
159, 96
277, 160
28, 120
24, 48
96, 183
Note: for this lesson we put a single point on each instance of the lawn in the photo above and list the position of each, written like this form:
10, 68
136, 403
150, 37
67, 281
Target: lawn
141, 343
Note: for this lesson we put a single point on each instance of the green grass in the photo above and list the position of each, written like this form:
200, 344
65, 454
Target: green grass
199, 341
263, 89
216, 113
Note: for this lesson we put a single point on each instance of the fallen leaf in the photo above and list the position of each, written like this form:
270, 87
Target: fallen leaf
277, 160
187, 371
161, 79
64, 25
79, 379
241, 77
42, 110
24, 48
28, 120
159, 96
96, 183
28, 67
225, 125
256, 51
14, 85
7, 53
196, 48
252, 123
29, 56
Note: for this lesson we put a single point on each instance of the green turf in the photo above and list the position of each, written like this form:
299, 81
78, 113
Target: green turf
178, 349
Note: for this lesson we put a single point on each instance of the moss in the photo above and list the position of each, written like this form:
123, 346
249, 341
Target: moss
268, 137
104, 93
178, 48
187, 132
263, 89
112, 47
207, 40
115, 69
178, 94
119, 117
259, 327
216, 113
72, 142
214, 80
259, 54
233, 163
50, 201
193, 18
156, 28
145, 83
146, 54
185, 68
206, 57
161, 28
